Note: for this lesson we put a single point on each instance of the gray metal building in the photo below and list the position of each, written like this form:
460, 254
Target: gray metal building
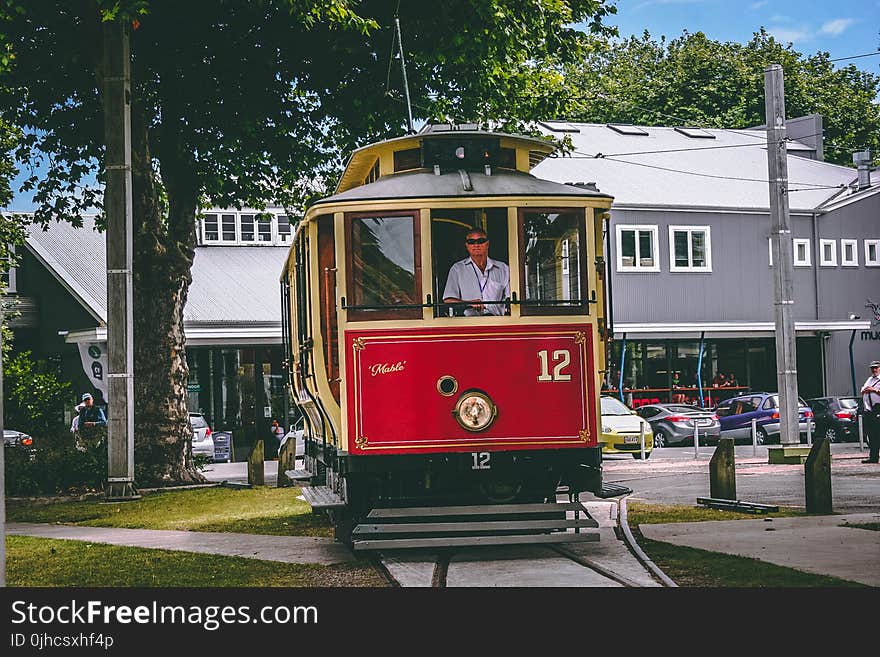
690, 263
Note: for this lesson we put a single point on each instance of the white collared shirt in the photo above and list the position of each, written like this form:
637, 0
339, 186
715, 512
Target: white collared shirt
467, 282
871, 398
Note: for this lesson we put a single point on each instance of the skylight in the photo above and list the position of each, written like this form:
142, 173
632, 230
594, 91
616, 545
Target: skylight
559, 126
695, 133
626, 129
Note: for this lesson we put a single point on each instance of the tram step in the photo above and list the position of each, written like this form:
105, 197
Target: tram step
406, 513
298, 475
322, 497
612, 490
464, 541
507, 526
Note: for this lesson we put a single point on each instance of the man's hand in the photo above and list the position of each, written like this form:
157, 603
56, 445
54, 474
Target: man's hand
476, 304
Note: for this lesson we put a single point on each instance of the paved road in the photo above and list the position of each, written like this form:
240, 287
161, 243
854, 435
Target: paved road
673, 476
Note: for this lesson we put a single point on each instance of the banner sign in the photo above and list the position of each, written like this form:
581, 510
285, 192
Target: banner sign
94, 362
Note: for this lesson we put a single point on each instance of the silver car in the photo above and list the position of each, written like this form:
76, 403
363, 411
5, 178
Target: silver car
202, 442
673, 424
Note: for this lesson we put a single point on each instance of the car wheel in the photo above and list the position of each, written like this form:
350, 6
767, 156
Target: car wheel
832, 435
660, 439
762, 437
638, 455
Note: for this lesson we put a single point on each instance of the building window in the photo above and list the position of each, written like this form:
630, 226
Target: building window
690, 248
264, 229
828, 253
7, 276
637, 248
247, 228
212, 228
284, 231
227, 228
849, 253
801, 253
872, 253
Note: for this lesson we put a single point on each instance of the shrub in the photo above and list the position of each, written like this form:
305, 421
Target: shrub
56, 466
35, 398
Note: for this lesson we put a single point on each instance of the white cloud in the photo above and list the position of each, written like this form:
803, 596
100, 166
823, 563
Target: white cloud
757, 5
793, 34
836, 27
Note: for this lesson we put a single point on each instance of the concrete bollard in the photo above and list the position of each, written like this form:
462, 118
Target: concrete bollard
754, 436
286, 461
817, 478
642, 440
696, 441
722, 471
861, 434
256, 472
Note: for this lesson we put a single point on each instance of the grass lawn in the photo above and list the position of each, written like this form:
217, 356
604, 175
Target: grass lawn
55, 563
693, 567
261, 510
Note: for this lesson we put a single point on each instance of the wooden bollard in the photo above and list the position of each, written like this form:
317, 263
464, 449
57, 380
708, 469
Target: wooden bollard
817, 478
256, 474
286, 461
722, 471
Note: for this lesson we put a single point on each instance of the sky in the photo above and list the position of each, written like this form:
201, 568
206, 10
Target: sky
842, 28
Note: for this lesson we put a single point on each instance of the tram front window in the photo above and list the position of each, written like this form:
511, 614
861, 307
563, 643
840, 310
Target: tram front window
384, 273
554, 274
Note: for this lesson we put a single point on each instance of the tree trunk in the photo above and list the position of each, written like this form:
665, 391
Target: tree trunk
163, 256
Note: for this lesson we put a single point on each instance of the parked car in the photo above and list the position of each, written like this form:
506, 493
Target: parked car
736, 413
13, 438
297, 432
621, 429
202, 442
673, 424
837, 418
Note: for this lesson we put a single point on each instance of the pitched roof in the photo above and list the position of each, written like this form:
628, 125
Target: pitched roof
723, 169
233, 286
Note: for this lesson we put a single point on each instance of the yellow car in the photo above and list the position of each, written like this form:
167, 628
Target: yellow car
621, 430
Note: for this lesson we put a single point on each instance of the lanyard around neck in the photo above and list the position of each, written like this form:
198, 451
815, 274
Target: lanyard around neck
481, 283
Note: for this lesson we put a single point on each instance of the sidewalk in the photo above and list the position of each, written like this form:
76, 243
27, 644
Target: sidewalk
288, 549
823, 545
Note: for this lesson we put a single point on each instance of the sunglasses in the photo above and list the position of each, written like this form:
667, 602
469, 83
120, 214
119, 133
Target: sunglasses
478, 240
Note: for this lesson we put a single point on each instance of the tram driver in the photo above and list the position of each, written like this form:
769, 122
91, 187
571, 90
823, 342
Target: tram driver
478, 279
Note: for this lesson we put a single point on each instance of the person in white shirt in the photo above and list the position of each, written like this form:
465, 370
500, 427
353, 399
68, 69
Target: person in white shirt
871, 406
478, 279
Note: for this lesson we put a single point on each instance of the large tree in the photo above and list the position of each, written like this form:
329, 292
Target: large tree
237, 103
693, 79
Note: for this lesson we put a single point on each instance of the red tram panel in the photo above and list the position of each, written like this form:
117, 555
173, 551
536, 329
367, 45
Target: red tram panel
544, 401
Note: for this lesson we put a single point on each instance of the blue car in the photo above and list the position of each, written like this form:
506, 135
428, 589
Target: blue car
736, 414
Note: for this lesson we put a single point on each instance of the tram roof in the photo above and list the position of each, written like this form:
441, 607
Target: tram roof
425, 184
362, 158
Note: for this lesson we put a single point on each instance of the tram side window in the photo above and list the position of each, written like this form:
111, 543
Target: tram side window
449, 228
553, 256
384, 279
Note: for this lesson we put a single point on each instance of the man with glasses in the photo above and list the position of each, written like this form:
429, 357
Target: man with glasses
478, 279
871, 405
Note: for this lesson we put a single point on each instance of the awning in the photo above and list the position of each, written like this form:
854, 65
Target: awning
732, 329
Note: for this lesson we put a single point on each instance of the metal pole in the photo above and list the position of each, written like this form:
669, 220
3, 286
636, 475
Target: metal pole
642, 439
754, 436
809, 431
409, 119
861, 434
696, 440
622, 364
852, 365
700, 368
786, 361
2, 462
118, 207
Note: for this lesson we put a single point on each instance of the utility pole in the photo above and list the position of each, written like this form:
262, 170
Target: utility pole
777, 164
118, 208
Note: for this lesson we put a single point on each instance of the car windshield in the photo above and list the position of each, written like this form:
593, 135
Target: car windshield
611, 406
774, 402
849, 402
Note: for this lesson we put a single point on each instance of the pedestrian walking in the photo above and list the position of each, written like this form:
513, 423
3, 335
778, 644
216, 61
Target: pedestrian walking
278, 434
89, 418
871, 412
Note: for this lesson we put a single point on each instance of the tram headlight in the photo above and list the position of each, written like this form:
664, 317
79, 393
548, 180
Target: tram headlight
475, 411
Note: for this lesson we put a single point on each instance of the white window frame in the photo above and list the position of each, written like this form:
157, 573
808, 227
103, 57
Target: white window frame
795, 243
690, 230
854, 261
875, 261
204, 222
288, 238
828, 262
655, 248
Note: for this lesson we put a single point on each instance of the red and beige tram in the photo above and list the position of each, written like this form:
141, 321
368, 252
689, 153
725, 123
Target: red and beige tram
410, 401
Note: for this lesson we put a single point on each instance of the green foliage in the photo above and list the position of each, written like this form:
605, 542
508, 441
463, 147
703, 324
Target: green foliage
35, 398
55, 466
693, 80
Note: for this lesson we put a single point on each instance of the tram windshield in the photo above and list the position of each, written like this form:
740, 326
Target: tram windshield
554, 275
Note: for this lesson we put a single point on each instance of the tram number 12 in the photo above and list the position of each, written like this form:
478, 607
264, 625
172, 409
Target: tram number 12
481, 461
562, 359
